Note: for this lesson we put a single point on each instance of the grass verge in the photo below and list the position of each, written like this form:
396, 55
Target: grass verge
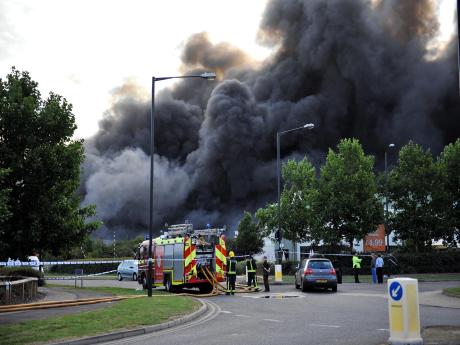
452, 292
126, 314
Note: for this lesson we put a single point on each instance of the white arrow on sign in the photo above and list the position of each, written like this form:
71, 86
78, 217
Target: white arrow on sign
394, 293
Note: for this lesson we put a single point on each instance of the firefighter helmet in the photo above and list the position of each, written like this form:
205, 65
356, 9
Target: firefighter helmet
231, 254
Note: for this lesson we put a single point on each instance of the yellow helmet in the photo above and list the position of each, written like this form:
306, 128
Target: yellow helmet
231, 254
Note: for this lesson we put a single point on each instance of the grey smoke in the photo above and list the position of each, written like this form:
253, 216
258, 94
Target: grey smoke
354, 68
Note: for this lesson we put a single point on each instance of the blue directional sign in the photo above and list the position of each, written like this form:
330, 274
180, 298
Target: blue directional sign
396, 291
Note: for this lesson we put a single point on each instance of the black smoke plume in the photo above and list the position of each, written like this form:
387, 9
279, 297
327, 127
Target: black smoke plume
364, 69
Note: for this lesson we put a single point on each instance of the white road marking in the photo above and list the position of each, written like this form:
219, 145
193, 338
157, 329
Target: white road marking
383, 329
318, 325
226, 312
241, 315
272, 320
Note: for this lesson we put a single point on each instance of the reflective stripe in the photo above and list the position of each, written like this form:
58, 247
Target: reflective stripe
221, 257
251, 269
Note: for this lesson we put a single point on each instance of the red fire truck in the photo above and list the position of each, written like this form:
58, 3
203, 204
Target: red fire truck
180, 256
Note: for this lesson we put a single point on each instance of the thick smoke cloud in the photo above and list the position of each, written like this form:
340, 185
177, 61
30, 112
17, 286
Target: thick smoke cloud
354, 68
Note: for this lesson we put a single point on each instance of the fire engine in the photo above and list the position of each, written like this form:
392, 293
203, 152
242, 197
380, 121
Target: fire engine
182, 256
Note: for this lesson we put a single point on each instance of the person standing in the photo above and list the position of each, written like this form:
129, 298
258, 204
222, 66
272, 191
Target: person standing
266, 271
251, 266
379, 266
356, 266
231, 273
373, 270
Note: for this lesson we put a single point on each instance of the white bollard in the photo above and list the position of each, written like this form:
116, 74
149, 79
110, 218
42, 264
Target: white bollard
278, 274
403, 311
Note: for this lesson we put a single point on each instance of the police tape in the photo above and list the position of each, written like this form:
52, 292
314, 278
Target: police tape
79, 276
50, 263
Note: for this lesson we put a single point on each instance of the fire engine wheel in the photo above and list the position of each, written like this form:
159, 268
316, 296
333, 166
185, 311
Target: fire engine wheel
134, 276
168, 285
120, 278
144, 282
205, 288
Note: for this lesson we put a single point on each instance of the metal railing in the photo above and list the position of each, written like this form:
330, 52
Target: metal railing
17, 289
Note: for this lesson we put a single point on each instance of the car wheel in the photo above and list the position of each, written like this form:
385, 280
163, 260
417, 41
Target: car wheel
297, 286
134, 276
304, 287
120, 278
334, 288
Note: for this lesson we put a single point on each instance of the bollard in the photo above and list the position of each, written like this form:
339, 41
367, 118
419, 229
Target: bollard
403, 311
278, 274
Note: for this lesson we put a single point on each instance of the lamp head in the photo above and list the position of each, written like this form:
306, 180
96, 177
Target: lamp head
208, 75
391, 145
309, 126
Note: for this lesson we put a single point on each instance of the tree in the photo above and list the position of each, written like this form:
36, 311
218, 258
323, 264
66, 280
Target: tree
4, 193
44, 164
347, 205
449, 162
299, 194
416, 191
297, 216
249, 240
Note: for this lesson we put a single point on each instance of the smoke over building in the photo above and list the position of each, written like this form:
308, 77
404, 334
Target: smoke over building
363, 69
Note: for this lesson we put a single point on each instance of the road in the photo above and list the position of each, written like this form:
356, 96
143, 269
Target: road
357, 314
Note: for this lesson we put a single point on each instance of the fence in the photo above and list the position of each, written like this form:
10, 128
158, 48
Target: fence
17, 289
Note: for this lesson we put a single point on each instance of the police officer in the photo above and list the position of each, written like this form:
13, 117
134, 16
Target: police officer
356, 266
266, 271
231, 273
251, 269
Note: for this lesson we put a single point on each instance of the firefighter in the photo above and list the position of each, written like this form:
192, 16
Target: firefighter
231, 273
251, 267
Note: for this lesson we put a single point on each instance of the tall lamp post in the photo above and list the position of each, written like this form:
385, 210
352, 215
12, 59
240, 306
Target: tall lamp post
206, 75
390, 146
278, 172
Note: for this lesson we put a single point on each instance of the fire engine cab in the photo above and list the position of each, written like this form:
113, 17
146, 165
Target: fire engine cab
182, 256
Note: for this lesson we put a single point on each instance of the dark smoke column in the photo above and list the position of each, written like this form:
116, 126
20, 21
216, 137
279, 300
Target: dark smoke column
206, 75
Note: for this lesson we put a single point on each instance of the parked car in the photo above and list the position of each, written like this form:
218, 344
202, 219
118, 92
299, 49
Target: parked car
315, 272
127, 269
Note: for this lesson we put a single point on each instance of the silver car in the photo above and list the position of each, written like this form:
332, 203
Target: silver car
127, 269
316, 273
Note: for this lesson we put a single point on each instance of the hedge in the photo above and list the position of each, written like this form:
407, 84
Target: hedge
429, 262
20, 271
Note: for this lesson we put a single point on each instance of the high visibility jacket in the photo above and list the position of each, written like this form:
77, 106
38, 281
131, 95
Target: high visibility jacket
356, 262
231, 267
251, 265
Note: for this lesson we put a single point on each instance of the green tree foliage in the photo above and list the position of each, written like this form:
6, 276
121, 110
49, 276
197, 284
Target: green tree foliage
450, 168
4, 193
297, 216
417, 194
347, 205
44, 164
249, 240
299, 194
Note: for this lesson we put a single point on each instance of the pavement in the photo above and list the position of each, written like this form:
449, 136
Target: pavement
300, 317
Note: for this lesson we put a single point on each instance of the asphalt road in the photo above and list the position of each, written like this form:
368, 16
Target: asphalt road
357, 314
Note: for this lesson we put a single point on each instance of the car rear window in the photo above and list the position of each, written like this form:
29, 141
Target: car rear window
319, 264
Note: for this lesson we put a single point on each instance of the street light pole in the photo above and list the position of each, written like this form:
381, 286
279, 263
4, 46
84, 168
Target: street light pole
206, 75
386, 198
278, 173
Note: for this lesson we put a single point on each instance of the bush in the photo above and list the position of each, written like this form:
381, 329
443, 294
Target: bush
87, 269
21, 271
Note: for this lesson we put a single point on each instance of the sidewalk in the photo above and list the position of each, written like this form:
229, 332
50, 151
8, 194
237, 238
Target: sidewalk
438, 299
54, 294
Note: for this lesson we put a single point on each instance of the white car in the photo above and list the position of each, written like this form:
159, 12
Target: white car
127, 269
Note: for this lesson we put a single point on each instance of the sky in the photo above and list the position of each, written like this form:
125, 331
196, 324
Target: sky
84, 49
